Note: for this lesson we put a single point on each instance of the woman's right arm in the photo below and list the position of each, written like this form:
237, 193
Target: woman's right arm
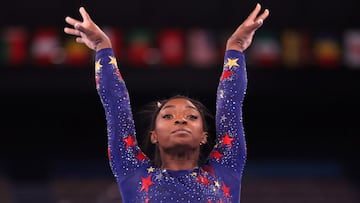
124, 153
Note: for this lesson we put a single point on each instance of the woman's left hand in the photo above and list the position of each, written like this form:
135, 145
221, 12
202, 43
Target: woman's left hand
242, 37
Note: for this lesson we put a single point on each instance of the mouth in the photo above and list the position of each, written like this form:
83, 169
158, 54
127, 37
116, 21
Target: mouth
181, 131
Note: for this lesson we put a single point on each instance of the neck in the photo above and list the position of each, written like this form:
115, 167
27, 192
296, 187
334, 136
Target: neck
179, 161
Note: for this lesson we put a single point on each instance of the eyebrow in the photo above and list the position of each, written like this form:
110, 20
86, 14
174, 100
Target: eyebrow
173, 106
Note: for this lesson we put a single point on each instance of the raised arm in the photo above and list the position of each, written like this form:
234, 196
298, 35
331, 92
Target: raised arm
124, 153
230, 150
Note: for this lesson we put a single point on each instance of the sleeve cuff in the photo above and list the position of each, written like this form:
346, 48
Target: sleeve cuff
233, 53
104, 52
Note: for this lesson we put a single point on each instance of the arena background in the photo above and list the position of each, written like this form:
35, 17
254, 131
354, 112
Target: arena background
301, 112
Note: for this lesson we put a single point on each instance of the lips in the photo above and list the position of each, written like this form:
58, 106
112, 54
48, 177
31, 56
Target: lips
181, 131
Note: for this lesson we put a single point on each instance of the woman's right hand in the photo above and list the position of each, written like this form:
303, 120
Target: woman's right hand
87, 32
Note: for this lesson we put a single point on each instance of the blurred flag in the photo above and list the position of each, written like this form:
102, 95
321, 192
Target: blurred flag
223, 36
201, 48
13, 47
296, 49
76, 54
352, 49
139, 49
265, 50
327, 51
46, 48
116, 38
172, 47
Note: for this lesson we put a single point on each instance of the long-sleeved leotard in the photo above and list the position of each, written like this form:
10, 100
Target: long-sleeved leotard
138, 180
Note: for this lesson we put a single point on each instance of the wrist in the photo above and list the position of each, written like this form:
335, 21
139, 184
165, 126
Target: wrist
235, 47
235, 44
103, 44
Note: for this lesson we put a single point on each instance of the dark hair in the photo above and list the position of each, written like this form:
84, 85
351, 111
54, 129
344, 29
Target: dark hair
145, 123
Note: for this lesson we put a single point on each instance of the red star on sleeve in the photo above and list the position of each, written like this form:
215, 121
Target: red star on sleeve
226, 190
130, 141
226, 74
216, 155
140, 156
226, 140
203, 180
146, 183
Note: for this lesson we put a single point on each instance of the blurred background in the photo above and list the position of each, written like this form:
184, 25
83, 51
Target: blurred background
301, 112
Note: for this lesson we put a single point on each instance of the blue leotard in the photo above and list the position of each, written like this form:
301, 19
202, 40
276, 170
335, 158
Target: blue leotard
138, 180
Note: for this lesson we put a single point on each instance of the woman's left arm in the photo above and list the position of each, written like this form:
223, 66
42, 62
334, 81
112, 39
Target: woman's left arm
230, 150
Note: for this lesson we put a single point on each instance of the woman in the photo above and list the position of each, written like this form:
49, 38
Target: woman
178, 130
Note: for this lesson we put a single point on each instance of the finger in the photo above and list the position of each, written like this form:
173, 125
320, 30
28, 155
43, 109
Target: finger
260, 20
255, 12
71, 21
84, 14
257, 24
71, 31
263, 16
80, 28
79, 40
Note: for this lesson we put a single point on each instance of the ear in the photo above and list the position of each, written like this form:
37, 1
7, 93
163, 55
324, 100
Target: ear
204, 138
153, 137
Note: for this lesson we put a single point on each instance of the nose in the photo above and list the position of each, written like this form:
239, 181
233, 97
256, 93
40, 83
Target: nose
181, 122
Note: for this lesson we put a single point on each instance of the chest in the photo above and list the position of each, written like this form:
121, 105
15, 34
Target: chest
197, 185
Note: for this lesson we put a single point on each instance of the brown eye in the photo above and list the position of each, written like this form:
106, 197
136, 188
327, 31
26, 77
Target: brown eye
167, 116
192, 117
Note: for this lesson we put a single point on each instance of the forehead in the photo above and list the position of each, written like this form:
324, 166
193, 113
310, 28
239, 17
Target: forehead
179, 103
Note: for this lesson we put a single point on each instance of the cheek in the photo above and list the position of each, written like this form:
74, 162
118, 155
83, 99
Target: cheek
200, 125
161, 128
198, 128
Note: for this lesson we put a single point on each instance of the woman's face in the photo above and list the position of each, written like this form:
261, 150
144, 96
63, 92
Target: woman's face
178, 124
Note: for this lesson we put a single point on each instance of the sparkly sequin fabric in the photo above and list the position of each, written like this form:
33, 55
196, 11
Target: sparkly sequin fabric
138, 180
